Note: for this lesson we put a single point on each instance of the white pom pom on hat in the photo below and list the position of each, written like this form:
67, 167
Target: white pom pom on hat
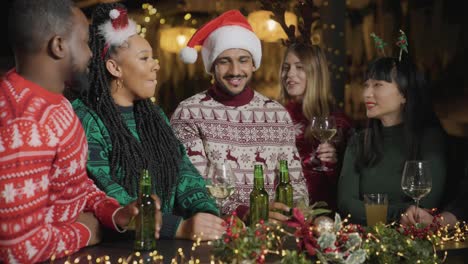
230, 30
114, 13
188, 55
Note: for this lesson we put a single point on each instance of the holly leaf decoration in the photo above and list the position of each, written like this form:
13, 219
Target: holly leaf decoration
379, 43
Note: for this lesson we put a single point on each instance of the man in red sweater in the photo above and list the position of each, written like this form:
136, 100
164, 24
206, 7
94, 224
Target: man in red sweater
48, 205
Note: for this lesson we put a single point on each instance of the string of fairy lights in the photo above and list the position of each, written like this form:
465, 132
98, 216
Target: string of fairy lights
137, 257
151, 14
444, 234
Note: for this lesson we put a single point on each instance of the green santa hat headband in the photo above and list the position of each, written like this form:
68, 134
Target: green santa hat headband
402, 43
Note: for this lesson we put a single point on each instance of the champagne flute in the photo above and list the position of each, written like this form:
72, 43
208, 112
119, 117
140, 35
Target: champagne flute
416, 181
323, 128
221, 182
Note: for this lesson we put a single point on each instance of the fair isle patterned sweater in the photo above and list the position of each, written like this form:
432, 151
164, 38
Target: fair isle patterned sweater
244, 130
43, 181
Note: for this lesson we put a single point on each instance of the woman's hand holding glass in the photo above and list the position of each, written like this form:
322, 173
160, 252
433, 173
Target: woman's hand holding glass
324, 129
326, 152
416, 181
414, 215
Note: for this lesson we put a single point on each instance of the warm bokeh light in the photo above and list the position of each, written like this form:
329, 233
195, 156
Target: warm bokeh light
271, 24
266, 28
175, 38
181, 40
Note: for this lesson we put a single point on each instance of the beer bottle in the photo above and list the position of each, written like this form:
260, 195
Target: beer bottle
284, 190
258, 198
144, 224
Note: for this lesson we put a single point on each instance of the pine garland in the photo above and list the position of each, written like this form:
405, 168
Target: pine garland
341, 242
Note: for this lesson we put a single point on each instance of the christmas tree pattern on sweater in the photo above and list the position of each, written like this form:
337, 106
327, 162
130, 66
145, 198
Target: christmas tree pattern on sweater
260, 132
43, 181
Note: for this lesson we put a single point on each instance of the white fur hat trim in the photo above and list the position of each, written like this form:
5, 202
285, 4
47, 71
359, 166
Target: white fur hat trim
116, 37
231, 37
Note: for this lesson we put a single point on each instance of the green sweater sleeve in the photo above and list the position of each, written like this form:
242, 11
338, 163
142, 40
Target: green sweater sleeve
348, 200
191, 194
99, 151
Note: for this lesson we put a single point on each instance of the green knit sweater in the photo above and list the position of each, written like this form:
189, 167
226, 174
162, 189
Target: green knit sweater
385, 177
187, 198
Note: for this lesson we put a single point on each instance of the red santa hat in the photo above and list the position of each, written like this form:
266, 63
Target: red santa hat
118, 29
228, 31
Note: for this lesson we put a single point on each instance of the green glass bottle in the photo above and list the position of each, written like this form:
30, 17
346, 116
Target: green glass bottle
284, 189
144, 223
258, 198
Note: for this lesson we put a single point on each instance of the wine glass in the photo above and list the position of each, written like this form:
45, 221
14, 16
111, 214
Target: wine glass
221, 182
416, 181
323, 128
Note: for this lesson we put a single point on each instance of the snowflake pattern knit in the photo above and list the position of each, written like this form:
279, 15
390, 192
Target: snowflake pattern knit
43, 181
259, 132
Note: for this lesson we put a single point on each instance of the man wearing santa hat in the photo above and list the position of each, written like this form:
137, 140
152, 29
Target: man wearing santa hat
230, 122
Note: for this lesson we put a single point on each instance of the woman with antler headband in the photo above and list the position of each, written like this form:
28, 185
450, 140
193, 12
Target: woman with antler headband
401, 126
127, 132
306, 92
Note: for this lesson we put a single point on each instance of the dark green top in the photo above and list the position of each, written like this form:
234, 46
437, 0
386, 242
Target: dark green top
188, 197
385, 177
459, 205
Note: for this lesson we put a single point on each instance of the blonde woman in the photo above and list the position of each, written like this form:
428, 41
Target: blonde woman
306, 92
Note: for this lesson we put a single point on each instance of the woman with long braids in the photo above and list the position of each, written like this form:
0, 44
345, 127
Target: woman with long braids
127, 133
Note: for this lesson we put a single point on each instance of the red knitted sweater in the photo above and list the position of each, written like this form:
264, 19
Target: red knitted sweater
43, 181
322, 186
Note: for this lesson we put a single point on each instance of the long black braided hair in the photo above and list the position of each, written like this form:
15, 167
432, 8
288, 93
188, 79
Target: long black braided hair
158, 148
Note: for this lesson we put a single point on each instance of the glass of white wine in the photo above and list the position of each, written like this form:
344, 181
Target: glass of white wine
416, 181
221, 182
323, 128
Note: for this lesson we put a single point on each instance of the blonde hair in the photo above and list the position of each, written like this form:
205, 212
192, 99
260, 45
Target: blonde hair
318, 98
